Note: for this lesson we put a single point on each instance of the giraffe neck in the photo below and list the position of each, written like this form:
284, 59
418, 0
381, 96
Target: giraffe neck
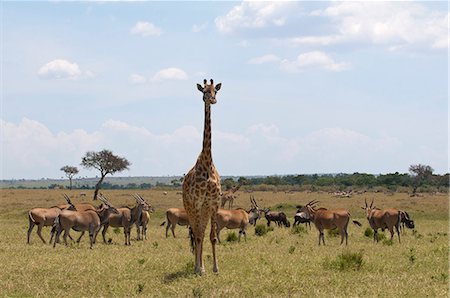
206, 150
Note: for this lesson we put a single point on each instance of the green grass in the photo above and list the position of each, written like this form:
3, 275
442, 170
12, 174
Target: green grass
290, 265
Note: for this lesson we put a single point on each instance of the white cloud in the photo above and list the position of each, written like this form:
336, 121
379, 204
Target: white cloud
171, 73
264, 59
384, 23
199, 28
254, 14
60, 69
145, 29
313, 60
31, 150
137, 79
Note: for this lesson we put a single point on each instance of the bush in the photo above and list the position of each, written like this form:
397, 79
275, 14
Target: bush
291, 249
231, 237
262, 229
298, 229
347, 261
388, 242
368, 233
333, 233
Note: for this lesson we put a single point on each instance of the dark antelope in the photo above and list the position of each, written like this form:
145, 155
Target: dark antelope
255, 212
279, 218
328, 219
301, 217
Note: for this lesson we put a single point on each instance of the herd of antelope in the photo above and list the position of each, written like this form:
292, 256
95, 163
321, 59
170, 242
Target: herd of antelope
84, 217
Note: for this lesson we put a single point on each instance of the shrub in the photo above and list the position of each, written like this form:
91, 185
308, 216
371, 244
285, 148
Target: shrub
368, 233
291, 249
333, 233
231, 237
388, 242
298, 229
347, 261
261, 230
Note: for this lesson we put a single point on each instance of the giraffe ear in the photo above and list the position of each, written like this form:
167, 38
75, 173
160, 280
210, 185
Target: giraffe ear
218, 86
199, 87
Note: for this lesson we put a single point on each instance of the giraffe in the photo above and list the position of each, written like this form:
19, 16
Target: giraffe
229, 196
201, 188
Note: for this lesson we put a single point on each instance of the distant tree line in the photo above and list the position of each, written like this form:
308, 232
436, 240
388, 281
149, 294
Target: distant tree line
391, 181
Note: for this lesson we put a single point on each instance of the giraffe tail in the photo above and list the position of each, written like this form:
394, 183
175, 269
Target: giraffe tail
191, 240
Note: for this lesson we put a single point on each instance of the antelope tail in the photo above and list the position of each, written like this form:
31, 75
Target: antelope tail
357, 223
163, 223
30, 217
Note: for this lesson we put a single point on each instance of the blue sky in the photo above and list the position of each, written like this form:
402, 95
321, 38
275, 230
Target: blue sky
307, 87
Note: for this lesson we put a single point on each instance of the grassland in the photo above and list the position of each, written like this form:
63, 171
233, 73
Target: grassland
281, 263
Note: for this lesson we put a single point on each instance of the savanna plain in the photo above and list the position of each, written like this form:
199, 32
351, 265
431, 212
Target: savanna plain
284, 262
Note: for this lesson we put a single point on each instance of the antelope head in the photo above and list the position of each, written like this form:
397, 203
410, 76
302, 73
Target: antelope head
72, 206
145, 206
368, 208
106, 205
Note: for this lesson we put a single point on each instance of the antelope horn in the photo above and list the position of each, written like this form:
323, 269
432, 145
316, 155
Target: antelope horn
371, 204
137, 198
67, 199
365, 201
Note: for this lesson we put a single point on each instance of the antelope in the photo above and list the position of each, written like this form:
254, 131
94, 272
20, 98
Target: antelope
126, 217
386, 219
277, 217
301, 217
254, 213
83, 206
82, 221
175, 216
44, 217
328, 219
143, 222
232, 219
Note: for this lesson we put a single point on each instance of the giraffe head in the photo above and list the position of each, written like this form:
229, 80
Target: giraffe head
209, 91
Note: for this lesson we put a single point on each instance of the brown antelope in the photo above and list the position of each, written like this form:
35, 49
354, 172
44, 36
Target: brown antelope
232, 219
386, 219
254, 213
83, 206
174, 217
82, 221
143, 221
328, 219
44, 217
126, 218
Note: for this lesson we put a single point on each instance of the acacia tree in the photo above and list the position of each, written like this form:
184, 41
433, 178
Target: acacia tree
70, 172
419, 174
106, 162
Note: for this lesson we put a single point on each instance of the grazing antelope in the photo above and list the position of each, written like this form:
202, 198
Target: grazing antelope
82, 221
386, 219
125, 218
174, 217
44, 217
232, 219
328, 219
278, 217
406, 221
301, 217
254, 213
